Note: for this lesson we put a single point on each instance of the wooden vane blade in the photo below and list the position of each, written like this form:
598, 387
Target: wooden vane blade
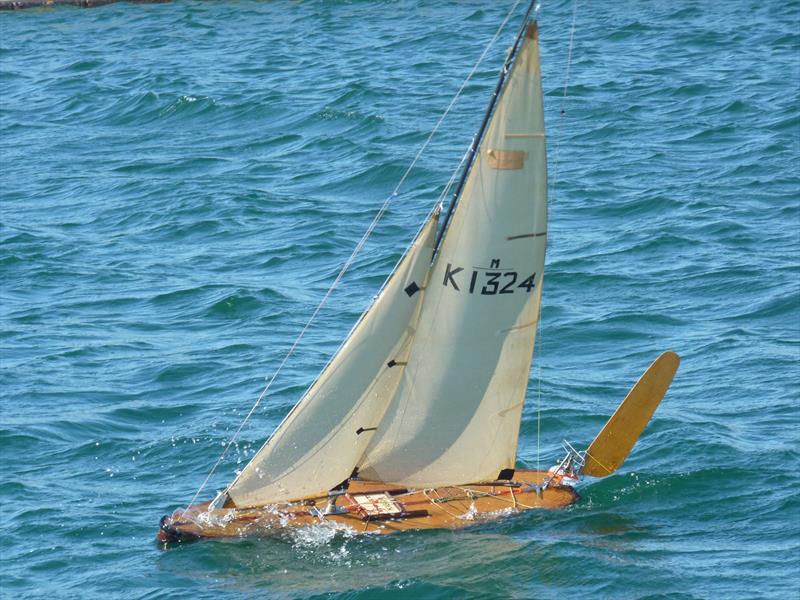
614, 442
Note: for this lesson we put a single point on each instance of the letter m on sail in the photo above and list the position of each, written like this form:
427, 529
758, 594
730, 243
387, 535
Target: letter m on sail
448, 275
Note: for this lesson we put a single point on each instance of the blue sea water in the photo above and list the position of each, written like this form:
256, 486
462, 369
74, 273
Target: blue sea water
180, 183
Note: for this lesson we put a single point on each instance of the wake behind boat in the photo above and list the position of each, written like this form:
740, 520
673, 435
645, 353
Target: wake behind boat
414, 422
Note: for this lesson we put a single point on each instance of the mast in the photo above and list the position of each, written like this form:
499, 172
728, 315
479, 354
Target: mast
487, 115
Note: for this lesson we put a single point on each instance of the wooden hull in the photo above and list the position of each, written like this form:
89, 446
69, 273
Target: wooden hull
451, 507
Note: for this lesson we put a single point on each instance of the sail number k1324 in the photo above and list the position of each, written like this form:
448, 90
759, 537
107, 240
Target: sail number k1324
487, 282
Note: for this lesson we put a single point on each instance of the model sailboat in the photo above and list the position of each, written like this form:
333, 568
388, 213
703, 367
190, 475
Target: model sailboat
414, 422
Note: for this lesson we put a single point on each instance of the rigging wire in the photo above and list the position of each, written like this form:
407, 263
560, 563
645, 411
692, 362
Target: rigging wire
359, 246
563, 108
552, 196
539, 341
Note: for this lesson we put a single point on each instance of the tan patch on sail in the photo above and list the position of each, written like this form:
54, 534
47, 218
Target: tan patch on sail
506, 159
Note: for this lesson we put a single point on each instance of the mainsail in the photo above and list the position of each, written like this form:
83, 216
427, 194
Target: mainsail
456, 415
429, 387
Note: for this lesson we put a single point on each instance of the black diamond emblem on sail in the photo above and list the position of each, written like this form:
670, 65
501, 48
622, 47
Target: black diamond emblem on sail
412, 288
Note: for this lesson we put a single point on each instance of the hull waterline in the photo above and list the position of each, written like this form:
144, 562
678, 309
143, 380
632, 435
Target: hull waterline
450, 507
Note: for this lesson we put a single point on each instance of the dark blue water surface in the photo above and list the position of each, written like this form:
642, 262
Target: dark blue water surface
181, 182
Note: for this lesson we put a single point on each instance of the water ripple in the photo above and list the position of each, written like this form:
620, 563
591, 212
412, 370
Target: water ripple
182, 182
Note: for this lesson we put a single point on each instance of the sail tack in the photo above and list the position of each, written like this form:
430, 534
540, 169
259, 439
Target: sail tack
319, 443
455, 417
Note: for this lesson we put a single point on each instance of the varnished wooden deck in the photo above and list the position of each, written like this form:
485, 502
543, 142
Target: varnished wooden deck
451, 507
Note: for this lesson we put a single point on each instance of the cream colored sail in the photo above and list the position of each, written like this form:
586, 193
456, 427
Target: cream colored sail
319, 443
456, 415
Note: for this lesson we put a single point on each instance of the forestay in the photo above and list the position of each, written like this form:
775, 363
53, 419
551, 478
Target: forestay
456, 415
